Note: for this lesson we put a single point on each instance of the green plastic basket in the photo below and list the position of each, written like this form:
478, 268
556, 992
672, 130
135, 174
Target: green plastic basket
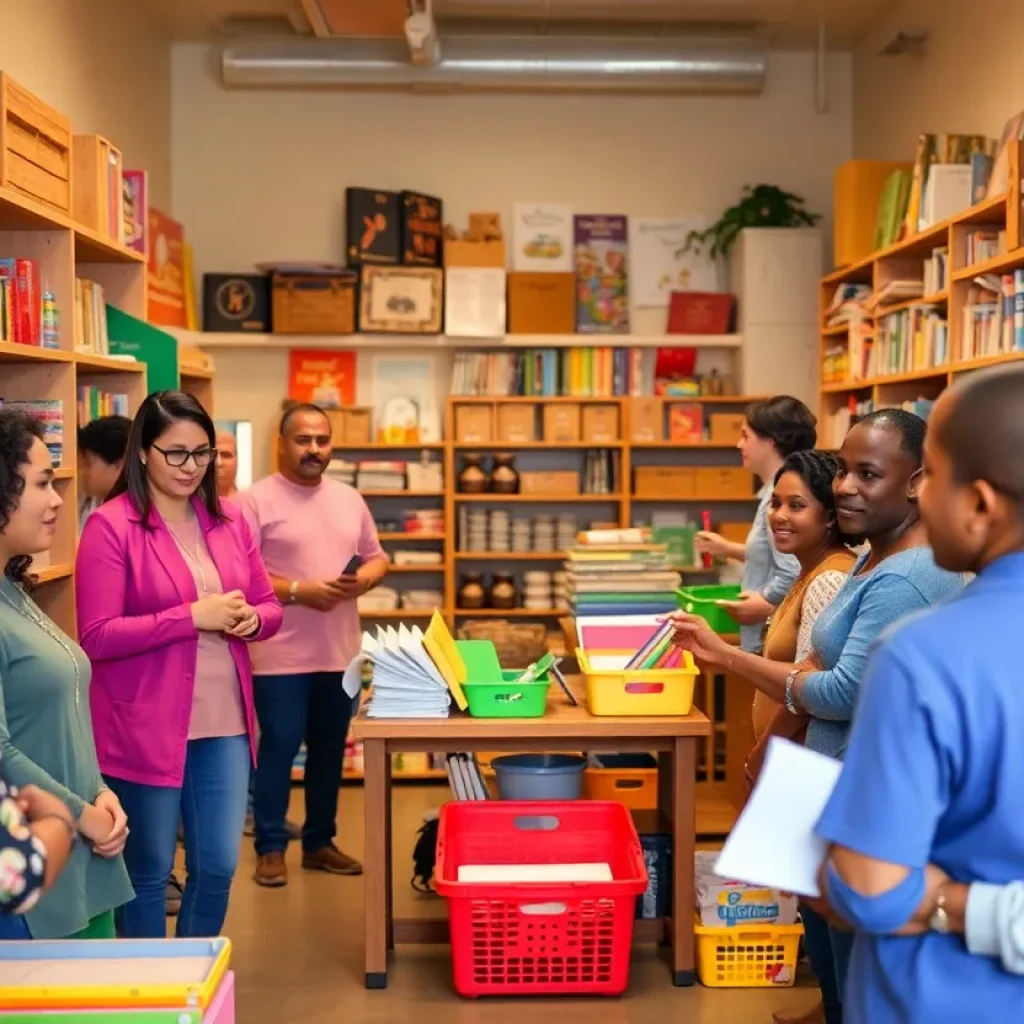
701, 601
508, 699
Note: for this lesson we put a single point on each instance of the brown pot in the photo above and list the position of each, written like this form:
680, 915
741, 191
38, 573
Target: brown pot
472, 479
504, 478
503, 591
471, 592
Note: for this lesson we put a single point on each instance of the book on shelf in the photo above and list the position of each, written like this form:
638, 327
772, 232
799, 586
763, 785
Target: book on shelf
21, 302
543, 373
912, 339
90, 318
848, 303
898, 290
94, 403
136, 210
836, 425
50, 413
993, 316
983, 244
936, 269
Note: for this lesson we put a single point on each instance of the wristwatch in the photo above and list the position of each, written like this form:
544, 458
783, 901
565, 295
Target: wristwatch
293, 591
939, 921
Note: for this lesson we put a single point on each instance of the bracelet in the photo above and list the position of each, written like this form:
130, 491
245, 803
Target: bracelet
71, 829
790, 680
293, 591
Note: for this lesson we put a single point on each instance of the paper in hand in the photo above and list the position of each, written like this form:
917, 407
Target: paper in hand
773, 842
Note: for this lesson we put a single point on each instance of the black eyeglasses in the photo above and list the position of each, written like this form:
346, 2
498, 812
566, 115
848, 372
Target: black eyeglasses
177, 457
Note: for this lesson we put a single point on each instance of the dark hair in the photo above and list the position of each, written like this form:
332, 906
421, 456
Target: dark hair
817, 469
106, 437
985, 437
908, 425
785, 421
159, 411
18, 431
294, 410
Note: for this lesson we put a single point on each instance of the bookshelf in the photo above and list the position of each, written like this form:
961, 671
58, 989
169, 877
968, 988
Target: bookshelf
978, 334
64, 250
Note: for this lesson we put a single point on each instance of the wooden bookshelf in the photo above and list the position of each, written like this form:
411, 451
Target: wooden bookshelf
904, 259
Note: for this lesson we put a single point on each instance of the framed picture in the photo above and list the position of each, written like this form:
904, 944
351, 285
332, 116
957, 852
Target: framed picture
401, 300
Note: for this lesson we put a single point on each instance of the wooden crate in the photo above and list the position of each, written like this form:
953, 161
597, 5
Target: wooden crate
35, 147
313, 304
97, 193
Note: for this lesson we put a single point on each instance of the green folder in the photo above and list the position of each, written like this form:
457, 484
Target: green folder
481, 660
130, 336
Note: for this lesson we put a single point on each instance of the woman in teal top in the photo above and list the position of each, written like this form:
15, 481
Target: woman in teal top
45, 727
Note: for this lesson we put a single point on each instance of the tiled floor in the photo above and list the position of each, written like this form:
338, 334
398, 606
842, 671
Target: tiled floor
298, 954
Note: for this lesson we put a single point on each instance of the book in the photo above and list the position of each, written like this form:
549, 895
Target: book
542, 237
165, 273
601, 246
136, 210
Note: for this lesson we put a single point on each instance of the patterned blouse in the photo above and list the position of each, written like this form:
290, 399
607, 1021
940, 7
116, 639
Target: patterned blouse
22, 856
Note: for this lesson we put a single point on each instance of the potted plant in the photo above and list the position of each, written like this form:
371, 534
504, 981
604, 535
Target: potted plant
762, 206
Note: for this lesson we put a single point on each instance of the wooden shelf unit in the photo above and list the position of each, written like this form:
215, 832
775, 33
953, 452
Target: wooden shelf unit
1003, 212
65, 250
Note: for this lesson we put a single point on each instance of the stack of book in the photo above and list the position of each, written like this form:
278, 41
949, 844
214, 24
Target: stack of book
379, 475
50, 413
621, 578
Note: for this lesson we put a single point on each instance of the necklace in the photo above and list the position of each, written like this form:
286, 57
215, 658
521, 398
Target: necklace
194, 558
28, 611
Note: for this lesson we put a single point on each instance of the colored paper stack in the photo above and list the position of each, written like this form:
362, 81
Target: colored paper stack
621, 579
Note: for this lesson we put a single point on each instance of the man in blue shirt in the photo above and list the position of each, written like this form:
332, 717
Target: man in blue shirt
936, 757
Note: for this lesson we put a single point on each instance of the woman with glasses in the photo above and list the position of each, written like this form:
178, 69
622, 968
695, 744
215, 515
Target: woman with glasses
170, 590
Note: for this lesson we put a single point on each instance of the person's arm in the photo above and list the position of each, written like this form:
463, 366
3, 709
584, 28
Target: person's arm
106, 633
375, 559
260, 593
894, 787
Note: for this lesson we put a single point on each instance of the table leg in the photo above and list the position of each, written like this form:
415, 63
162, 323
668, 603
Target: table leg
389, 847
684, 829
377, 814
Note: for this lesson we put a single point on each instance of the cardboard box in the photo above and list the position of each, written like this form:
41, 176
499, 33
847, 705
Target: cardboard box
600, 423
540, 303
722, 482
726, 903
725, 427
557, 483
350, 426
646, 420
459, 252
474, 424
516, 422
562, 422
664, 482
686, 422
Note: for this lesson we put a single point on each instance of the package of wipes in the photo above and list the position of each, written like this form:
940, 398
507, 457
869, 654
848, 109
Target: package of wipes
725, 903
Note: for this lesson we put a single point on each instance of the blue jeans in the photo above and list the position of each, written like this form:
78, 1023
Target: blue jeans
311, 706
828, 950
211, 805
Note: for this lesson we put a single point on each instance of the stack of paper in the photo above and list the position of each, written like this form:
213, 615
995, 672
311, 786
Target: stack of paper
621, 579
406, 682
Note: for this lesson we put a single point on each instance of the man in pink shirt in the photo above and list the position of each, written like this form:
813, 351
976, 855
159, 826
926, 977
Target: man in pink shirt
309, 529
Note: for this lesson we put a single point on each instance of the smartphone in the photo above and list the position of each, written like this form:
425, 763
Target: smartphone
354, 563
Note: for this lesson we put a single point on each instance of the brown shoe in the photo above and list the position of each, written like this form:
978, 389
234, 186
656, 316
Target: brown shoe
331, 860
815, 1015
271, 871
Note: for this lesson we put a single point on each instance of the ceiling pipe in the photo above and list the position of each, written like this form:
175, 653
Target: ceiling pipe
590, 64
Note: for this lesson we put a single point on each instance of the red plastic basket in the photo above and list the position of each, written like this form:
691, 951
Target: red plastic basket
526, 938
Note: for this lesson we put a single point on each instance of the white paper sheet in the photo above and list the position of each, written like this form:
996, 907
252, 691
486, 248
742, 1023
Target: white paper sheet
773, 841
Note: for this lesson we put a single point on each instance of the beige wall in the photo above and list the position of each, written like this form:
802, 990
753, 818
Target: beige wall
104, 64
970, 78
261, 175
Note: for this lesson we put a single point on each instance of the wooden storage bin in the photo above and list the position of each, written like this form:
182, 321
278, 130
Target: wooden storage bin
35, 147
600, 423
350, 426
541, 303
97, 195
724, 482
646, 420
557, 483
725, 427
562, 422
313, 304
461, 252
664, 482
517, 422
474, 424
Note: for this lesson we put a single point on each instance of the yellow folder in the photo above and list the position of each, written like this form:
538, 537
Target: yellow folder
440, 645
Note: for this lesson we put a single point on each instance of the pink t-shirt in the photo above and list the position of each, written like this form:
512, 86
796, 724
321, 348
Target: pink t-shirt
217, 708
309, 533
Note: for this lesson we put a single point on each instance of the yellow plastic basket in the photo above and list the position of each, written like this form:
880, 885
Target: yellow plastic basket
763, 957
649, 692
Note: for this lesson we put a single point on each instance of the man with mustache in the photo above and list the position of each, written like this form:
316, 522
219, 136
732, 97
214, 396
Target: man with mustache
308, 527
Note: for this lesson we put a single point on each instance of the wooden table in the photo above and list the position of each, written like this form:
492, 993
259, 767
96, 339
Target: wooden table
563, 728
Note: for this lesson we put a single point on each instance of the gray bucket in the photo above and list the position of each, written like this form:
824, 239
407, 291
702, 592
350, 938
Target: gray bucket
539, 776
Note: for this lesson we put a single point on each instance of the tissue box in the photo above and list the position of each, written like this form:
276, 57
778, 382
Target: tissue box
725, 903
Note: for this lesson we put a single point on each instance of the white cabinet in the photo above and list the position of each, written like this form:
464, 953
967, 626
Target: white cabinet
774, 275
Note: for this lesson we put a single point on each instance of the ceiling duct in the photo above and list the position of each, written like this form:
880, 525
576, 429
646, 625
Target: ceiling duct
507, 62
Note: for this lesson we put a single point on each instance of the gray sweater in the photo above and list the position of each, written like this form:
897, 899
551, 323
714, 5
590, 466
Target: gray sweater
46, 741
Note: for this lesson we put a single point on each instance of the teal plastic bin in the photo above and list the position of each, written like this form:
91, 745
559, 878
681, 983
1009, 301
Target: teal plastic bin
702, 601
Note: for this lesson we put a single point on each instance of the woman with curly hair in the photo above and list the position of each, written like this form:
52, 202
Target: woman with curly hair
46, 735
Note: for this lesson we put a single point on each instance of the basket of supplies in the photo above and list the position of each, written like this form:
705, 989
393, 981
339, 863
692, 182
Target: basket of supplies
613, 689
755, 956
703, 601
541, 895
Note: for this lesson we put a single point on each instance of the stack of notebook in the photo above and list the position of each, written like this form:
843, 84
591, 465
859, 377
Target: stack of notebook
406, 681
621, 579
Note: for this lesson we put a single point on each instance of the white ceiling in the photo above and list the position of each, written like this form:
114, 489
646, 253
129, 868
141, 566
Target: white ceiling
779, 23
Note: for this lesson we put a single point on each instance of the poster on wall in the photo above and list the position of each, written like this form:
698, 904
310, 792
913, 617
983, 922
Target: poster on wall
165, 272
602, 273
542, 237
325, 377
659, 265
403, 394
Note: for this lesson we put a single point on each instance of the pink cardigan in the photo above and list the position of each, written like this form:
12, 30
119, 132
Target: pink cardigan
133, 594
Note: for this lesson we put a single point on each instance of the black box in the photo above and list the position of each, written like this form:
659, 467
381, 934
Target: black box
421, 230
373, 227
236, 303
656, 902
